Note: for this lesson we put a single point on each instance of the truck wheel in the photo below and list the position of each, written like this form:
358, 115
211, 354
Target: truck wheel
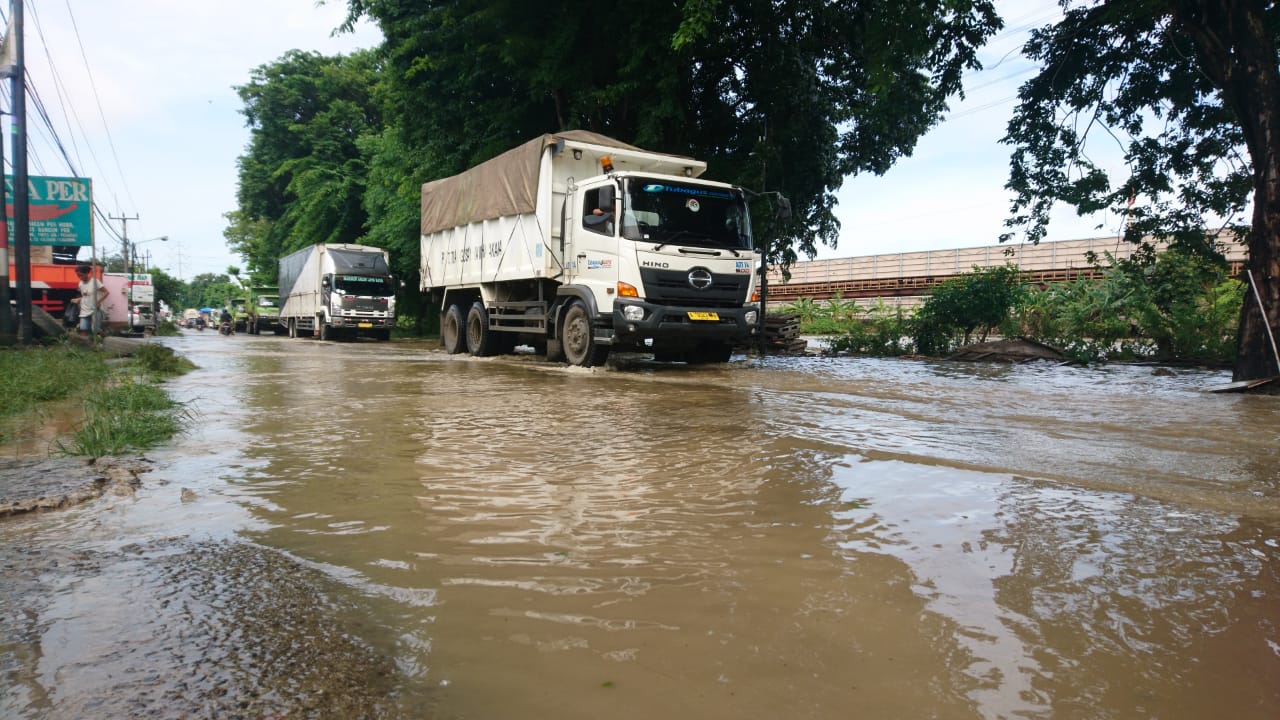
576, 338
293, 327
326, 332
480, 341
451, 330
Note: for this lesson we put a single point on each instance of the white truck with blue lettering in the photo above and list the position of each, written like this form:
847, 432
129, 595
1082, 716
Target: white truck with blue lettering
337, 291
578, 245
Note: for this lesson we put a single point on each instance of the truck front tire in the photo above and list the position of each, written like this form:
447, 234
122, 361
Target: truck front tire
578, 340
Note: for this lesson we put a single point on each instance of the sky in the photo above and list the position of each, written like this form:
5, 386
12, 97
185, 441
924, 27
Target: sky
141, 94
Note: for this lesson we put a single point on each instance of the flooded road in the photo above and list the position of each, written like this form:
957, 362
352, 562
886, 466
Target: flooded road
798, 537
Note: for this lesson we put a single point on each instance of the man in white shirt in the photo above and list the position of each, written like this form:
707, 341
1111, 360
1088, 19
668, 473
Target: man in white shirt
92, 294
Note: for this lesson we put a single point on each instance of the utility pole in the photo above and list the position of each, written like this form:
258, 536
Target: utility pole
21, 190
128, 260
8, 324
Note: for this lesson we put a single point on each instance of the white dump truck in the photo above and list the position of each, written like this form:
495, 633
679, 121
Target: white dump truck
338, 290
577, 245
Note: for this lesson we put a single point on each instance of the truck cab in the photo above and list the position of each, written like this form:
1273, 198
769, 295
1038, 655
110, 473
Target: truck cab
669, 264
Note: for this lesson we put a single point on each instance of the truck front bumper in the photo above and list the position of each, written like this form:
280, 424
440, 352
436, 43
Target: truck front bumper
677, 324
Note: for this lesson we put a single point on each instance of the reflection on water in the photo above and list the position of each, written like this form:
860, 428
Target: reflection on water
795, 538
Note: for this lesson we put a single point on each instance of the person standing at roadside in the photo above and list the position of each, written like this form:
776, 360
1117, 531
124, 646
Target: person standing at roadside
92, 295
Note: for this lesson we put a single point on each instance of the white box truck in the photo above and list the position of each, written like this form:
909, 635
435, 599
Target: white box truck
337, 290
577, 244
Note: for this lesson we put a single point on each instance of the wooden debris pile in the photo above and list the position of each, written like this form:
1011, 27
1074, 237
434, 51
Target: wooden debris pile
782, 334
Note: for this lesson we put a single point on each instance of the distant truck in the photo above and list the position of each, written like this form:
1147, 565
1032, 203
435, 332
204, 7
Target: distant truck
338, 290
264, 311
578, 245
238, 307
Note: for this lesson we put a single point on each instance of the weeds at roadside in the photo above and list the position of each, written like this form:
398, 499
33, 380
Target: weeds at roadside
29, 376
124, 410
161, 362
129, 416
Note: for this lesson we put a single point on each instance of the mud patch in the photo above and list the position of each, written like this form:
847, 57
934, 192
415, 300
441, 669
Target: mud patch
176, 629
31, 484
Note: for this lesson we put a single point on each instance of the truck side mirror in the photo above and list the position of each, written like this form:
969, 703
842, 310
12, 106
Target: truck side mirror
326, 281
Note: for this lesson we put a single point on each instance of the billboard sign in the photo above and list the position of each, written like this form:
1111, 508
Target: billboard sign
140, 288
61, 210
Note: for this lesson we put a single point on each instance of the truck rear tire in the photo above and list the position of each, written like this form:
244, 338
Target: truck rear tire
480, 340
578, 340
452, 323
293, 327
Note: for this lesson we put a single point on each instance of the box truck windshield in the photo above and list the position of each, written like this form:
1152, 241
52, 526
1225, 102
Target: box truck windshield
665, 212
362, 285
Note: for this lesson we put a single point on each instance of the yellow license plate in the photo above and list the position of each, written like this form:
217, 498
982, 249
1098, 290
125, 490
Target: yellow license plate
365, 325
703, 315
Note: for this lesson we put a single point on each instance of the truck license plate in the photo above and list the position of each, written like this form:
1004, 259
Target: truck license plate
703, 315
365, 325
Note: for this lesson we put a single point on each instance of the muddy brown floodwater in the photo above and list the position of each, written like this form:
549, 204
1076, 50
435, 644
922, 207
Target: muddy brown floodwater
382, 530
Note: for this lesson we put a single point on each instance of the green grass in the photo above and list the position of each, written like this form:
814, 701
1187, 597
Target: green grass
127, 417
30, 376
125, 410
160, 362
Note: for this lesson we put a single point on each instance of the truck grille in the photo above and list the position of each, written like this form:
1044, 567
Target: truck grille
671, 287
364, 305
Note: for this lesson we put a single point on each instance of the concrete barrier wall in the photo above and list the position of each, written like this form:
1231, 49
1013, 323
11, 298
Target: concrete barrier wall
1059, 255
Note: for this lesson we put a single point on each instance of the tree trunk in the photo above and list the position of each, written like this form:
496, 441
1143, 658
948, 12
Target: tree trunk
1240, 54
1255, 355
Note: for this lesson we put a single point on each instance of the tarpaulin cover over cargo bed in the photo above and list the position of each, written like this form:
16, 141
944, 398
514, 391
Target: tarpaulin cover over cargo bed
505, 185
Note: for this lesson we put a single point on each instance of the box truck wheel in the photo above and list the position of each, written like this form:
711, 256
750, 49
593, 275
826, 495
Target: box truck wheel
576, 338
480, 341
451, 333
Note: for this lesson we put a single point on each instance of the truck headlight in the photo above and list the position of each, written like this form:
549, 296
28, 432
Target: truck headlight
751, 317
633, 312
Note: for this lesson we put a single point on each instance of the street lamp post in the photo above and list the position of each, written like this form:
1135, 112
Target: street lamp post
130, 251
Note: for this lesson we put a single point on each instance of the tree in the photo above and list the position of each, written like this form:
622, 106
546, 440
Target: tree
977, 301
211, 290
302, 179
792, 95
1189, 90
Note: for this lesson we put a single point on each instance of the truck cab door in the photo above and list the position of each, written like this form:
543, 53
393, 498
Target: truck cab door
593, 252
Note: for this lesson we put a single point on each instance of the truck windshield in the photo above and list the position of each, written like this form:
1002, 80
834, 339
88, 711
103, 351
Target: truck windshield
364, 285
663, 211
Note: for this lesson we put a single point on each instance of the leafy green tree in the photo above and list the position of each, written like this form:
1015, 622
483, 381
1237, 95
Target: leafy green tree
1189, 90
211, 290
168, 289
392, 199
974, 302
792, 96
302, 179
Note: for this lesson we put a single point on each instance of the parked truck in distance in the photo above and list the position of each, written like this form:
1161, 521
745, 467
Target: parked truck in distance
337, 290
578, 245
239, 309
264, 311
